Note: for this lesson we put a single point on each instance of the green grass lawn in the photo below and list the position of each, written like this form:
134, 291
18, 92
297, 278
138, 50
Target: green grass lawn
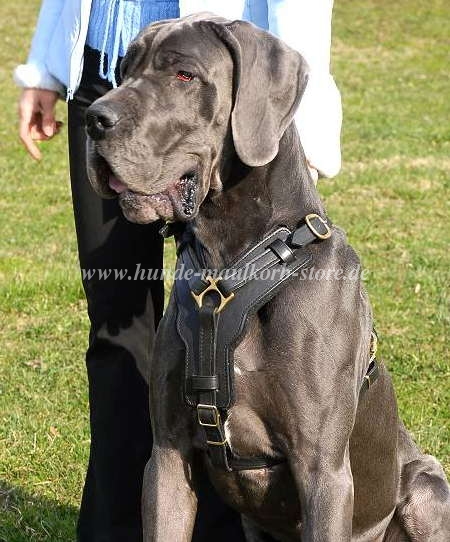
391, 64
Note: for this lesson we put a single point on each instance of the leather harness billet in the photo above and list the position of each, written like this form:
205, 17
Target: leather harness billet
213, 308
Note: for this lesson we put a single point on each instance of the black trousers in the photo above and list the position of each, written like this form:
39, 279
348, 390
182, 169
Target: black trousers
123, 315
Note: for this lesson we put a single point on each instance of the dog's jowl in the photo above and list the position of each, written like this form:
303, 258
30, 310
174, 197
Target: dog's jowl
265, 375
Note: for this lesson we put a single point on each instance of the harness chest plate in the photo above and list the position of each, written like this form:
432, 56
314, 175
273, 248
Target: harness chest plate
230, 314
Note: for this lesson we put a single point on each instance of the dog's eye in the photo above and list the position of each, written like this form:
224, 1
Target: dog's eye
185, 76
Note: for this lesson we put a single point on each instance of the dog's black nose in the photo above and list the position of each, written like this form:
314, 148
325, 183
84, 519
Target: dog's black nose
100, 118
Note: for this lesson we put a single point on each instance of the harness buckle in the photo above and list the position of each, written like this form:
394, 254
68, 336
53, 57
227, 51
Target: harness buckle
213, 410
212, 287
313, 216
214, 443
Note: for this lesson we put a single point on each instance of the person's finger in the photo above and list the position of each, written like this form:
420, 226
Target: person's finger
37, 134
48, 116
27, 140
26, 117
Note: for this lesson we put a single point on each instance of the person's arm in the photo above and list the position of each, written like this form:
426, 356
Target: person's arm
34, 74
305, 25
40, 89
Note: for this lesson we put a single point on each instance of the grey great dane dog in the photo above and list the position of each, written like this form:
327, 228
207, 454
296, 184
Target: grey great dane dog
201, 130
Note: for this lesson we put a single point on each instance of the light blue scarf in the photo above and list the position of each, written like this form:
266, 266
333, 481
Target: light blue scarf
113, 24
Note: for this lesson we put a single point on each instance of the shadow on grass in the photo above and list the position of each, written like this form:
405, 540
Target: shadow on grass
25, 517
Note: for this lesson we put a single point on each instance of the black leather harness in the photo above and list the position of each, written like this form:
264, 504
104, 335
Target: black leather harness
213, 309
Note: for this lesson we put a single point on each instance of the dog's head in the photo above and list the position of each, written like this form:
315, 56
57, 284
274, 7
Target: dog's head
194, 91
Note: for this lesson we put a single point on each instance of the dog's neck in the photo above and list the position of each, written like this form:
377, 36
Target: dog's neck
254, 201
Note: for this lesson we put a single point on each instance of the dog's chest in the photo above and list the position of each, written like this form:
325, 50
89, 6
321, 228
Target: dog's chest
248, 422
268, 496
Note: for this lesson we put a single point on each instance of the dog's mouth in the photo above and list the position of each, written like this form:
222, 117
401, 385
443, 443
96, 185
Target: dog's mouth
178, 201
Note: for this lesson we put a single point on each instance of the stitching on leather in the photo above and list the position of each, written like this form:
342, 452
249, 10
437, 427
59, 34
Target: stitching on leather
229, 349
188, 360
268, 266
245, 254
270, 239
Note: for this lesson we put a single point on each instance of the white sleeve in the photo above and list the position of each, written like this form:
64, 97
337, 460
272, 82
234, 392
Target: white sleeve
34, 74
305, 25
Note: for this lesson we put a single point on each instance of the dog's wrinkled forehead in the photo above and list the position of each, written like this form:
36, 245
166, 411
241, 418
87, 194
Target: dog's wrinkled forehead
174, 41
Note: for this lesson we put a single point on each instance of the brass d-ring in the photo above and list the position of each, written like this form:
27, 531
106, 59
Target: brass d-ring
319, 235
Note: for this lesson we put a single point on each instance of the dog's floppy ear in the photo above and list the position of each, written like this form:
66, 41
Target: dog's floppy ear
269, 80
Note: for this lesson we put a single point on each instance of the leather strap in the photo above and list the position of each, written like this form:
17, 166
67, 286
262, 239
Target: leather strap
203, 383
265, 255
314, 227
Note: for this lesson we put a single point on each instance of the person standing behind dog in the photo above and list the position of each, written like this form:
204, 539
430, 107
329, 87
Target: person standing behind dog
76, 52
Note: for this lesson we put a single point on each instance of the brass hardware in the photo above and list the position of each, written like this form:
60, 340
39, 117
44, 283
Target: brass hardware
213, 443
213, 409
212, 288
373, 346
308, 219
216, 423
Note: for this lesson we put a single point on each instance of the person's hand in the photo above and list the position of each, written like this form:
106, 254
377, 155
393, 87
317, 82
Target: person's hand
37, 118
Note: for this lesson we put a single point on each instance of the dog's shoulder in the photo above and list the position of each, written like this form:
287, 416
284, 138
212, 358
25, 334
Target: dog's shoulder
333, 281
336, 256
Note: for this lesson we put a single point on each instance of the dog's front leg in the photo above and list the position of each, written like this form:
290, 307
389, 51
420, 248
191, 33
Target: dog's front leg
169, 503
325, 487
318, 426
